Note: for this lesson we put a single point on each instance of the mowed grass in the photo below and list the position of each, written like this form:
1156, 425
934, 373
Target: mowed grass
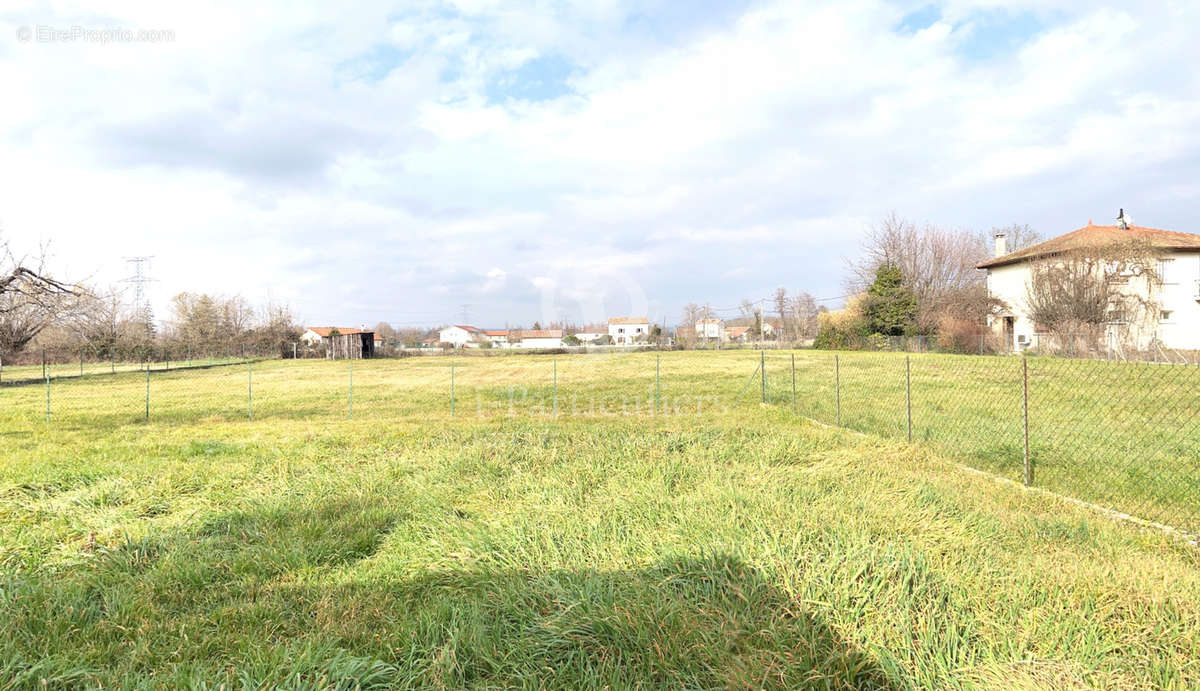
718, 543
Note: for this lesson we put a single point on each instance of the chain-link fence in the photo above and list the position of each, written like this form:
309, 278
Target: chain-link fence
1122, 435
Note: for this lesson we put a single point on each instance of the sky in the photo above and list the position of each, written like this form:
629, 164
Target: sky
513, 161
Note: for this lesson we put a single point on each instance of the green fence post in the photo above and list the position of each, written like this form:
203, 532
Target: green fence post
793, 383
762, 370
657, 384
451, 389
81, 363
250, 389
555, 388
351, 388
908, 393
837, 388
147, 394
1025, 418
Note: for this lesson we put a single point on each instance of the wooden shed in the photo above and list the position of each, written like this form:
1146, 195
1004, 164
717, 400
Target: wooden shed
345, 343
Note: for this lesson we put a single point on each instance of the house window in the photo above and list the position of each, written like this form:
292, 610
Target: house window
1165, 271
1165, 315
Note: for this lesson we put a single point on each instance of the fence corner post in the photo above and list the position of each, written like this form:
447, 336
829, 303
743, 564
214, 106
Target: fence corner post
1028, 475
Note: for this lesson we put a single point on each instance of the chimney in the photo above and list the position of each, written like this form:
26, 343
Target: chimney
1123, 220
1001, 244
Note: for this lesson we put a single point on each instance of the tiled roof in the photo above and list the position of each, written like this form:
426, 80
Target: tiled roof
469, 328
1099, 236
628, 320
540, 333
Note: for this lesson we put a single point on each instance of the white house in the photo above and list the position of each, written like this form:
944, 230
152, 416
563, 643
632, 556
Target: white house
589, 336
539, 338
497, 337
462, 336
711, 329
628, 330
1173, 319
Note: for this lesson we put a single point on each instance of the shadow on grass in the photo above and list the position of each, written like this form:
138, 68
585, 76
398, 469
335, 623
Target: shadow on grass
315, 597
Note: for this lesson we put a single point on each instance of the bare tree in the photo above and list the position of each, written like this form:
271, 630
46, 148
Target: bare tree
1016, 236
30, 298
781, 307
1081, 292
937, 264
804, 316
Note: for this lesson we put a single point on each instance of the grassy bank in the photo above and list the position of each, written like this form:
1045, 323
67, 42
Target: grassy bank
743, 549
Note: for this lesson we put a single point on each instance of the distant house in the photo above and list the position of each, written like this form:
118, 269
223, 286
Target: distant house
497, 337
538, 338
628, 330
710, 329
341, 342
462, 336
589, 336
737, 334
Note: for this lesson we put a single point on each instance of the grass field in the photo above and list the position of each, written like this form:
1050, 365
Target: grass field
1121, 435
740, 547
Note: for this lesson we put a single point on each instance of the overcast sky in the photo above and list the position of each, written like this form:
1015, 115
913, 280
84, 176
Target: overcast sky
397, 161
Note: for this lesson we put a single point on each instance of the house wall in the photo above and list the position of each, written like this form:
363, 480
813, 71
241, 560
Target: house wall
1177, 294
453, 334
712, 331
627, 333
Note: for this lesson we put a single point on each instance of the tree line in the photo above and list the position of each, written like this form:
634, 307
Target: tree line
919, 280
40, 313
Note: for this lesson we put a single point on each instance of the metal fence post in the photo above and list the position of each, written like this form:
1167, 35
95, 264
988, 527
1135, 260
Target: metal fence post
908, 392
657, 384
47, 399
793, 383
555, 362
81, 363
451, 389
762, 371
837, 388
147, 394
351, 388
43, 363
250, 389
1025, 418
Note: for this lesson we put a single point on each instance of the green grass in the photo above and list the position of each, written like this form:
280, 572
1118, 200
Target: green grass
1120, 435
752, 551
720, 543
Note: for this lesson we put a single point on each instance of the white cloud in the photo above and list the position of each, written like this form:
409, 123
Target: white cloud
300, 146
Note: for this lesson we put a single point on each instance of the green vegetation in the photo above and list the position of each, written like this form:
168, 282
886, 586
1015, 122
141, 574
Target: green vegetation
716, 543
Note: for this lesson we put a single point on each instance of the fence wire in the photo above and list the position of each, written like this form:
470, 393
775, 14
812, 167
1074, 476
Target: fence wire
1122, 435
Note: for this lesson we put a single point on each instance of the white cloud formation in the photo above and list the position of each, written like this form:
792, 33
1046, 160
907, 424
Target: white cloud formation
367, 164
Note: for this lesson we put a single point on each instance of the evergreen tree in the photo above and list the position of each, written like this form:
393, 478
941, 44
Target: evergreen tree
891, 307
